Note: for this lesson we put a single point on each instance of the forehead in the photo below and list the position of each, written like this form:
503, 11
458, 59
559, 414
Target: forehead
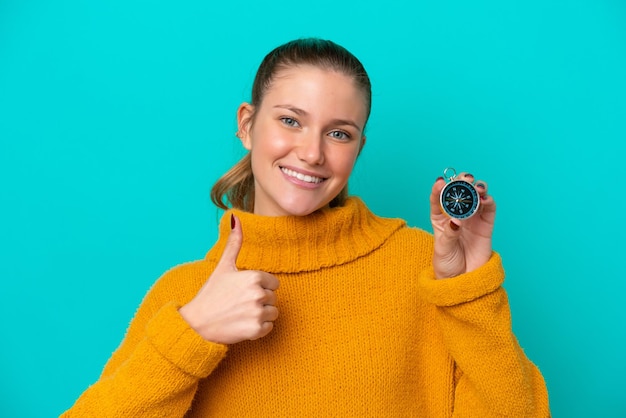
312, 87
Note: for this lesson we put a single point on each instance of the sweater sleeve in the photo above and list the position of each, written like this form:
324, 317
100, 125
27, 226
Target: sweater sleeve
155, 371
493, 376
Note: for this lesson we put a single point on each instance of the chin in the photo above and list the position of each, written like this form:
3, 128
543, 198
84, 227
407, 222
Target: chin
299, 208
300, 211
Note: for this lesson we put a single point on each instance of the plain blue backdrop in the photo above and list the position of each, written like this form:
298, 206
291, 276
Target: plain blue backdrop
116, 117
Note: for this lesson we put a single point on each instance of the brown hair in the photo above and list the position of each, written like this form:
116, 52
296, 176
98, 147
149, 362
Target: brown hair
237, 185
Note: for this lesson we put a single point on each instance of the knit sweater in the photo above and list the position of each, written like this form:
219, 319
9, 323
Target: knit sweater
364, 329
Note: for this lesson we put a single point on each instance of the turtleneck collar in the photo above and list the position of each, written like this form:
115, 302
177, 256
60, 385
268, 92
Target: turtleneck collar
291, 244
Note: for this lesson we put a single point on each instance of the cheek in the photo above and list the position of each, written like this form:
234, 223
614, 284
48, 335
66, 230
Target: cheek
269, 141
275, 146
344, 160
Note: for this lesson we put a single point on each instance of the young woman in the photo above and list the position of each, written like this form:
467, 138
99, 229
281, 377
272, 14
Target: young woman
311, 305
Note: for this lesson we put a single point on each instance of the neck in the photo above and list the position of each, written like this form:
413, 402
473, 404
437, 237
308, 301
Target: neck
289, 244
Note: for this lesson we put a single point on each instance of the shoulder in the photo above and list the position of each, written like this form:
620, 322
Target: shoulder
394, 226
412, 233
179, 284
414, 242
399, 236
409, 247
190, 275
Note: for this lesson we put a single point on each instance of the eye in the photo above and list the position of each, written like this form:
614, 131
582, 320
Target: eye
340, 135
290, 122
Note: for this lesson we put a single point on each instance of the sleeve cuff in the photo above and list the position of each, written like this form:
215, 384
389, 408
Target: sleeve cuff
175, 340
464, 288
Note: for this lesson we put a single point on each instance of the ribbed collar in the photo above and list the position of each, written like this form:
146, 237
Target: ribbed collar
291, 244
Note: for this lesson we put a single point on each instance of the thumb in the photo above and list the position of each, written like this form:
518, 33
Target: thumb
435, 196
232, 248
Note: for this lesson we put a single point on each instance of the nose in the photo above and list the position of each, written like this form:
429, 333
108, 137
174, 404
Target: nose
311, 149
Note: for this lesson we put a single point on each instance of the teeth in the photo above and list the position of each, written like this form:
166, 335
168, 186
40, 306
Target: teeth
300, 176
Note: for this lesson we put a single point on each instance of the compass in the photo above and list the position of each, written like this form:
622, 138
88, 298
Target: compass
459, 198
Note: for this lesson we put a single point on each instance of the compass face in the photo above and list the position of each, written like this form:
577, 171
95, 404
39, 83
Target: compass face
459, 199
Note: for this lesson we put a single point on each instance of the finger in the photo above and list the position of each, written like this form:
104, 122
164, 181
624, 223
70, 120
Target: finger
228, 262
266, 328
270, 297
435, 205
487, 204
487, 208
270, 313
481, 187
468, 177
269, 281
453, 227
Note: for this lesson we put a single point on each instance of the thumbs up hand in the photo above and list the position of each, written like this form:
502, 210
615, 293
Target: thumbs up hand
233, 306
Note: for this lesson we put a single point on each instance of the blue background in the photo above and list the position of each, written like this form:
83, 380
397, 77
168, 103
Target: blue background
116, 118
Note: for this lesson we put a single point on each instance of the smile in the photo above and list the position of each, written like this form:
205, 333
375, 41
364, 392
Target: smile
302, 177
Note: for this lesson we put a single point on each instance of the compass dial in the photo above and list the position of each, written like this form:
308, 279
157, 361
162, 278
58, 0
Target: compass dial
459, 199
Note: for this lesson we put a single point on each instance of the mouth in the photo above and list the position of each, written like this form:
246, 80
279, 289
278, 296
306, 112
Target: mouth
302, 177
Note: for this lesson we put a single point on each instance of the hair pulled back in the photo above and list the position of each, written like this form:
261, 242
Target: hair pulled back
236, 186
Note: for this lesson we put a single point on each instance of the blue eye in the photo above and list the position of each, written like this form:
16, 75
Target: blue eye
339, 135
290, 122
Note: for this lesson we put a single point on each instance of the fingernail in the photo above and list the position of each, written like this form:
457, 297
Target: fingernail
480, 185
469, 175
454, 226
232, 221
439, 178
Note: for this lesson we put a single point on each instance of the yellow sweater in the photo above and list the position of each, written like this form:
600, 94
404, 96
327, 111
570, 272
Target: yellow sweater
364, 330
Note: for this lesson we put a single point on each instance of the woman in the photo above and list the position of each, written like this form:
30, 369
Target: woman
309, 304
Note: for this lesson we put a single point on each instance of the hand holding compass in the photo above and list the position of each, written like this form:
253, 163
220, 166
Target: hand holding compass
463, 242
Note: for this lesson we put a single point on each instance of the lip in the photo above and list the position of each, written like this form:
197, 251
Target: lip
302, 183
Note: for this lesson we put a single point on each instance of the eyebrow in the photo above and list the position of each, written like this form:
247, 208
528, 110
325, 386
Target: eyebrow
301, 112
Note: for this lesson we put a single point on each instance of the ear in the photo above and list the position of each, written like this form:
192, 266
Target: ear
245, 114
363, 138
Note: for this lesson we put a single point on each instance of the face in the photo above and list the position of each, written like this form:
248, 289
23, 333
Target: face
304, 139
